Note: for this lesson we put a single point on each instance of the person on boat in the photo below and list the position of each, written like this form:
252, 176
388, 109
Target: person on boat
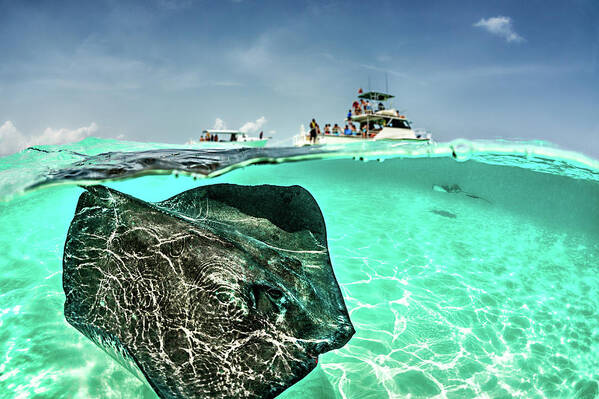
261, 134
349, 115
336, 129
381, 107
207, 136
373, 129
327, 128
363, 129
357, 108
313, 131
352, 129
216, 137
367, 107
347, 131
313, 135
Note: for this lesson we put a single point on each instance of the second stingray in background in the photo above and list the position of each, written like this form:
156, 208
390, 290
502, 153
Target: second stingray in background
222, 291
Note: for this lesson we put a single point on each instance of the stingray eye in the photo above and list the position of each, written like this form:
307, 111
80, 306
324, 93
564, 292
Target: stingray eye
274, 294
266, 299
173, 249
223, 297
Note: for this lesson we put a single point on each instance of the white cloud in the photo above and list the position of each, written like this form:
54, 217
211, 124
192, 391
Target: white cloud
253, 127
266, 61
219, 124
500, 26
62, 136
257, 56
248, 127
12, 140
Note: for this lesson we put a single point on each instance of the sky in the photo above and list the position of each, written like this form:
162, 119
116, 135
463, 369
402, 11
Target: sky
164, 70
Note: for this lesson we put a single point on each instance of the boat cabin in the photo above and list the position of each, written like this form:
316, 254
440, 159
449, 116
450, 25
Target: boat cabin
376, 116
381, 119
223, 135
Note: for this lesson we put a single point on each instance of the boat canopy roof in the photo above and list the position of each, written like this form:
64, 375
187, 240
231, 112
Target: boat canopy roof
379, 115
375, 96
366, 117
215, 131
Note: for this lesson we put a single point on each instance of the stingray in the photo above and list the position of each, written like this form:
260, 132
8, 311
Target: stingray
455, 189
222, 291
443, 213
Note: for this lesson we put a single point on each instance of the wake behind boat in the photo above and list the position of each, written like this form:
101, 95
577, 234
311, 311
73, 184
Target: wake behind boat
380, 124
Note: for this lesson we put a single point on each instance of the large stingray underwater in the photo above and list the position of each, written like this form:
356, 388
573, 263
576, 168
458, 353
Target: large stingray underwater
222, 291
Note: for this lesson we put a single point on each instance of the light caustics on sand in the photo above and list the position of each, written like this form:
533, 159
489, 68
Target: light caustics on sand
468, 269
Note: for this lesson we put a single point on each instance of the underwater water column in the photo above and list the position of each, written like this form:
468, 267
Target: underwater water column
486, 290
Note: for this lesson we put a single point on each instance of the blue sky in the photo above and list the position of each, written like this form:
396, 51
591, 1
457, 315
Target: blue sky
164, 70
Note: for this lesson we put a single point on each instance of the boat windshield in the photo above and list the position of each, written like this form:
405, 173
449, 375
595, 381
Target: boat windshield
397, 123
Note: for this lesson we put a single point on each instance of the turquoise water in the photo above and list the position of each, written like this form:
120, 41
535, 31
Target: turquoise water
452, 296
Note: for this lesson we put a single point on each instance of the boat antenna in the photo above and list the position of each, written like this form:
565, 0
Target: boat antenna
386, 83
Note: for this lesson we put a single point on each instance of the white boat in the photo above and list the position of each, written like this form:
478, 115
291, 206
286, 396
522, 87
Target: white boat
382, 124
233, 137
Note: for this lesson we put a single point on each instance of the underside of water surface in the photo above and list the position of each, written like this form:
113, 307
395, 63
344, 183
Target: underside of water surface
467, 279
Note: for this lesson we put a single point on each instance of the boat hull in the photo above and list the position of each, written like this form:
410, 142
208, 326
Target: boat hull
333, 139
232, 144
